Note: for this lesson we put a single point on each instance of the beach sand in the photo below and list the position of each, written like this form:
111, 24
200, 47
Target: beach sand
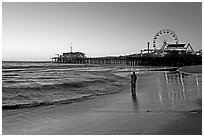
166, 104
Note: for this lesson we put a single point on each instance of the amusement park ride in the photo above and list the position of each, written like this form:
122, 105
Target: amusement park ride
165, 43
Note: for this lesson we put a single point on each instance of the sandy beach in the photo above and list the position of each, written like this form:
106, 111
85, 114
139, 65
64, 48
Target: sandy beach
167, 103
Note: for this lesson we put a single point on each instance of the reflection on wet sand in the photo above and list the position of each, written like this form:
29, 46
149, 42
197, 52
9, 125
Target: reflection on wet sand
198, 86
167, 91
183, 86
178, 87
135, 101
135, 104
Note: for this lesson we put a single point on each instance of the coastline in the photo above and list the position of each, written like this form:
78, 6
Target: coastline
176, 112
81, 91
106, 83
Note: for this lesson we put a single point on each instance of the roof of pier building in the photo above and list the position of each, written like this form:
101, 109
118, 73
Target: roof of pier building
74, 55
177, 47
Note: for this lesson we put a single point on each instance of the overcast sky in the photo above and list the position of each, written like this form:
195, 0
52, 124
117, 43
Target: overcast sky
37, 31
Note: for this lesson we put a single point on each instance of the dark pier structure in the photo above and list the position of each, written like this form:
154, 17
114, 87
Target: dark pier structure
167, 52
135, 61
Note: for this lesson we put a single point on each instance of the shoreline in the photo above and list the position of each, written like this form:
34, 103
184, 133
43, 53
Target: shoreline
112, 88
75, 99
116, 114
69, 93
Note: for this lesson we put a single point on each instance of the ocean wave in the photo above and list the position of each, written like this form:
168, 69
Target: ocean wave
11, 70
9, 75
36, 103
69, 85
32, 84
10, 81
57, 94
46, 77
28, 65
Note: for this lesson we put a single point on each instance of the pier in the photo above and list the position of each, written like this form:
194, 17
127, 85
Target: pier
135, 61
167, 51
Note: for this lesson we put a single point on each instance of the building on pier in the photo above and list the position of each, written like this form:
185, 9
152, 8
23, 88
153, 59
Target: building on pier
69, 57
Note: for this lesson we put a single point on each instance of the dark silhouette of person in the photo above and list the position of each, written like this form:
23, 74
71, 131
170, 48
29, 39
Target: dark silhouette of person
133, 83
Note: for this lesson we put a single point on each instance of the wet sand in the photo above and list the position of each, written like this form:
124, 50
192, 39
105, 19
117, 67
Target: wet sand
165, 104
192, 69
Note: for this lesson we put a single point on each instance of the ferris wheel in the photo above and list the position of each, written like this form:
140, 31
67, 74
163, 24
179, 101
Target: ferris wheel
164, 37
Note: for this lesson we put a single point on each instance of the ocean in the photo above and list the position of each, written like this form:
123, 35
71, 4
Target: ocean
36, 83
39, 74
28, 84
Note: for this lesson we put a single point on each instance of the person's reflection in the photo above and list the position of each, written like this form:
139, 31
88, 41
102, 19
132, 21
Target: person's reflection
135, 104
134, 99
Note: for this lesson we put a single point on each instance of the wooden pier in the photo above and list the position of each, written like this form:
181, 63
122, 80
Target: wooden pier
135, 61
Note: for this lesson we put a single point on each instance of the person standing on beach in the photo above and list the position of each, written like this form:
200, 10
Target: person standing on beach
133, 83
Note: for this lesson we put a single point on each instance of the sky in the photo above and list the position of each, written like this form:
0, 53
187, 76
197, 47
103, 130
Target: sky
36, 31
